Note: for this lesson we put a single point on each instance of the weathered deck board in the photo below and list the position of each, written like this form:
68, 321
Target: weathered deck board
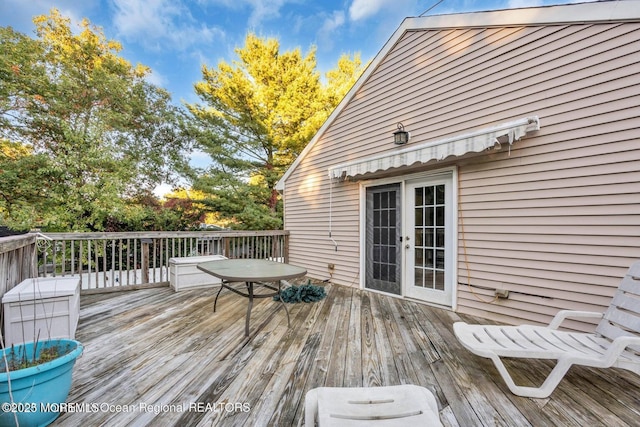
155, 347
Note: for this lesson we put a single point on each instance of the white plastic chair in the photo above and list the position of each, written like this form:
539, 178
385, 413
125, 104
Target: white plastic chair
615, 343
392, 406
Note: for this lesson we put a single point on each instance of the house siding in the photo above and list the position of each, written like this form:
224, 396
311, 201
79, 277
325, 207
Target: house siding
555, 218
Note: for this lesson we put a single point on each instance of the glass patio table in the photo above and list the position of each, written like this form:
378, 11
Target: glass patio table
252, 272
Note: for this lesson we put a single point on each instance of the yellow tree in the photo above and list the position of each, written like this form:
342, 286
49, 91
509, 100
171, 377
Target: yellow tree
258, 113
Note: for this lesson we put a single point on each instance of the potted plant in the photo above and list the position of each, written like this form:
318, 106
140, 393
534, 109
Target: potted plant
35, 381
35, 376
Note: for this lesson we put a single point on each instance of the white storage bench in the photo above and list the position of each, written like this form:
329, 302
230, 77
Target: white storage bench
184, 273
41, 308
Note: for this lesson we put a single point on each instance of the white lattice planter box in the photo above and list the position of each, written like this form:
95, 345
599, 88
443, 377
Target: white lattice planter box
184, 273
40, 309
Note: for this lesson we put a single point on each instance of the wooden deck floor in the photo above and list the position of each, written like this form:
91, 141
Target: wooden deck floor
151, 353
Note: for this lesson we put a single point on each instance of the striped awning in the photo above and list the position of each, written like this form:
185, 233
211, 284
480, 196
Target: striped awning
441, 149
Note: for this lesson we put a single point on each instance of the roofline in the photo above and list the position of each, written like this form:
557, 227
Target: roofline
592, 12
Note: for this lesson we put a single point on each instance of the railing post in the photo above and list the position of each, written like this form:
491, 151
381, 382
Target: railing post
285, 239
144, 262
227, 247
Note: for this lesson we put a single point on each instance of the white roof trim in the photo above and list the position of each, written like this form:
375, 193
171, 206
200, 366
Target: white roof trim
589, 11
454, 146
624, 10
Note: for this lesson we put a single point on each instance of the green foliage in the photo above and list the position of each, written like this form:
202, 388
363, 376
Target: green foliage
19, 170
101, 135
145, 212
258, 114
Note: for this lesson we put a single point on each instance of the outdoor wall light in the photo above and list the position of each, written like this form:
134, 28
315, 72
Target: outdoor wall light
400, 136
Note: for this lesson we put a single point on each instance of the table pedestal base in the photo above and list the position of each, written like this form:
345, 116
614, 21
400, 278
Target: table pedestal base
250, 294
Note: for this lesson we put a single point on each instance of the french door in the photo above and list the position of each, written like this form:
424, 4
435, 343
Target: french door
382, 246
429, 240
409, 243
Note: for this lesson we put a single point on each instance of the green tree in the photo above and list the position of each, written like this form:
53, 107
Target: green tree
147, 213
259, 112
108, 135
26, 180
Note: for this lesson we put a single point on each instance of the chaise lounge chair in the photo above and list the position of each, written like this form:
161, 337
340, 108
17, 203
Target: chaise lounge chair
615, 343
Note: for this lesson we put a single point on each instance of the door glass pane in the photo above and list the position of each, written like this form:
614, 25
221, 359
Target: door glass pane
419, 277
439, 281
428, 216
428, 278
419, 237
440, 260
439, 189
428, 191
428, 242
428, 255
440, 216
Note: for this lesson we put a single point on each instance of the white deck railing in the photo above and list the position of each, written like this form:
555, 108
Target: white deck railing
17, 260
106, 261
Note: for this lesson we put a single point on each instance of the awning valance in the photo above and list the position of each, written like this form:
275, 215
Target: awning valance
454, 146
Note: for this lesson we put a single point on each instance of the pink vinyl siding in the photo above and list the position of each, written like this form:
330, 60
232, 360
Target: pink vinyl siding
557, 224
554, 219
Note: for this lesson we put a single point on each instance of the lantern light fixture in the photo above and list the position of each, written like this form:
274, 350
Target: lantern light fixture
400, 137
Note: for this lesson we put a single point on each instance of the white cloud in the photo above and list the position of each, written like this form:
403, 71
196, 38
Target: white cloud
330, 25
157, 79
161, 190
336, 20
388, 10
158, 24
264, 9
261, 10
362, 9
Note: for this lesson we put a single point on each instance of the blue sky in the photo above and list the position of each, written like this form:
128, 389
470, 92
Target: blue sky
175, 37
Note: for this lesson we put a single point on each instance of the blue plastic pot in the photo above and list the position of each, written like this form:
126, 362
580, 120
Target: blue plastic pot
37, 388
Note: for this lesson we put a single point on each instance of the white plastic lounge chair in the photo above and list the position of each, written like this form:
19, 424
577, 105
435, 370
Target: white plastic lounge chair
615, 343
392, 406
